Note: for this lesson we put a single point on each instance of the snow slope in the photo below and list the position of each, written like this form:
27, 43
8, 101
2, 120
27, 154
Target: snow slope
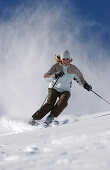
82, 143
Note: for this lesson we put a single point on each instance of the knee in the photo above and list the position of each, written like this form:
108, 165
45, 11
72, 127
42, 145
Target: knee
62, 103
65, 103
65, 97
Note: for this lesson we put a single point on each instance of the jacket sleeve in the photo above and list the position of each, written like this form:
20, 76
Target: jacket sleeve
50, 74
78, 77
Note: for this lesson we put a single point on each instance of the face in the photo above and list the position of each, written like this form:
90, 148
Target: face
65, 61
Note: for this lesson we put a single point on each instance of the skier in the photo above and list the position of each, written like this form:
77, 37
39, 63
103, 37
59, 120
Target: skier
65, 73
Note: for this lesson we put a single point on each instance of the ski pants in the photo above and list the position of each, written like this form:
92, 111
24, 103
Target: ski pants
56, 107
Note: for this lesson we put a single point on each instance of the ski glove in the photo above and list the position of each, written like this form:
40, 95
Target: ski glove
58, 75
88, 87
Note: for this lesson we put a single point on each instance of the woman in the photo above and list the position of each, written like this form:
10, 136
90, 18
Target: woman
65, 73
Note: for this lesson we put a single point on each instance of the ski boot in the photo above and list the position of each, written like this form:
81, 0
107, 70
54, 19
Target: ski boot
49, 119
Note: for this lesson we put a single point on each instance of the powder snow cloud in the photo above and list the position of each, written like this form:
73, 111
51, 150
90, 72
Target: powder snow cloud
29, 40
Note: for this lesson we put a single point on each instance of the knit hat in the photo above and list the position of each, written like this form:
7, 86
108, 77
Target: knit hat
65, 54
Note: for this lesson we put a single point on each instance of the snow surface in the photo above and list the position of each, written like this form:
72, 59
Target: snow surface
80, 143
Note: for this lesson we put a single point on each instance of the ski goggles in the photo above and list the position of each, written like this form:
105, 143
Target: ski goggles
64, 59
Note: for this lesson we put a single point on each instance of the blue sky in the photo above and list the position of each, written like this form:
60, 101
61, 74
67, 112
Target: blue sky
98, 10
92, 10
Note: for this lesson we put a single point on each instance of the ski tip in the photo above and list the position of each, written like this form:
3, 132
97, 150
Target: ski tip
45, 125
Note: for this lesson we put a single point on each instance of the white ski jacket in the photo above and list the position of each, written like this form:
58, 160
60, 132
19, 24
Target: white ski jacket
64, 83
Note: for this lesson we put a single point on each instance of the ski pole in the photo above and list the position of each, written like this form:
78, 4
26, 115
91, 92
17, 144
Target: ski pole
49, 92
100, 97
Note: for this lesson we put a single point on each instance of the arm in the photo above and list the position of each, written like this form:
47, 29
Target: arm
81, 81
50, 74
54, 73
79, 77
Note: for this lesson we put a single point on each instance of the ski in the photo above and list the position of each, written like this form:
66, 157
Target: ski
45, 125
54, 123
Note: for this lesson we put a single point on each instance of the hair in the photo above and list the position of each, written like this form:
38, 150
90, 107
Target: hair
58, 59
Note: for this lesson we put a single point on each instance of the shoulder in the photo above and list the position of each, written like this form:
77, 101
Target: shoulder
56, 65
73, 69
71, 66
